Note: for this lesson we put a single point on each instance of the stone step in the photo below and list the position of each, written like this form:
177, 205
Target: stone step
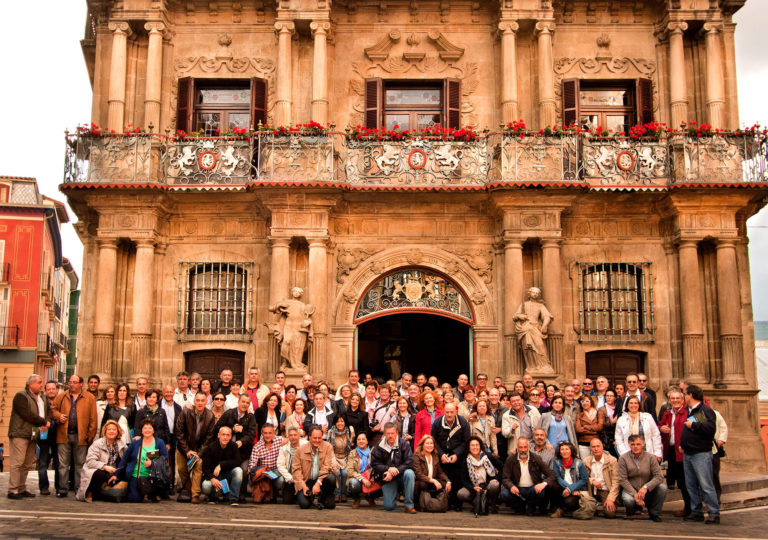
732, 482
728, 501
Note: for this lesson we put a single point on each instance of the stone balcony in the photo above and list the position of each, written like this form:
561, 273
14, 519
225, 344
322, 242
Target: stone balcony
493, 160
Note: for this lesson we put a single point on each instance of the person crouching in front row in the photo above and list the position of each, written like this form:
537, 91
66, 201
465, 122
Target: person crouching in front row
312, 471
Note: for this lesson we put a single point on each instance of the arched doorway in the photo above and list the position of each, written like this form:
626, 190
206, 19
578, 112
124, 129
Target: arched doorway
416, 320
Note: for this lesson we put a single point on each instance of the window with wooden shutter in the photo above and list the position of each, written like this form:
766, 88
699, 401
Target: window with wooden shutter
610, 105
570, 101
185, 104
373, 95
452, 103
644, 97
258, 101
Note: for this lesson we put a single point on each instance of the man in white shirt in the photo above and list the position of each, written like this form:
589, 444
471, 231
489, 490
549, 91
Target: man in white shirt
603, 471
525, 478
518, 415
353, 381
602, 387
183, 394
172, 412
140, 398
280, 380
321, 415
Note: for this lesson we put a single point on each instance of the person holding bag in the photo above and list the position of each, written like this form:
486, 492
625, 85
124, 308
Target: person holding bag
432, 484
480, 486
137, 462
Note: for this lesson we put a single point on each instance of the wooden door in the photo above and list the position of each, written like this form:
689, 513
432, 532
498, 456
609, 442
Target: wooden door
210, 363
614, 365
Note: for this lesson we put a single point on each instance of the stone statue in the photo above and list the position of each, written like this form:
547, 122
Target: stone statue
292, 329
531, 323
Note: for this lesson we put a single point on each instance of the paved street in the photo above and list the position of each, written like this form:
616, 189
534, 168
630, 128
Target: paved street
59, 519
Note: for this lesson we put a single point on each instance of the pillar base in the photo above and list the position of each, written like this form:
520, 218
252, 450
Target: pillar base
733, 360
694, 358
140, 355
102, 354
555, 352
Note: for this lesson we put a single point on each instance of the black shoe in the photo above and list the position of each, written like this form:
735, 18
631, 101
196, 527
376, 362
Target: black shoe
15, 496
184, 496
693, 517
27, 494
712, 520
61, 493
656, 518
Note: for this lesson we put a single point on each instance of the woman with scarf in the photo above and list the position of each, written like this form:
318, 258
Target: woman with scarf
296, 418
359, 471
558, 424
634, 422
152, 411
589, 424
572, 476
429, 474
341, 441
403, 418
430, 408
356, 416
611, 414
101, 461
479, 483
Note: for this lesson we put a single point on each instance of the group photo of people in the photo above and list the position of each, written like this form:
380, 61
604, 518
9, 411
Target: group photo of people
416, 444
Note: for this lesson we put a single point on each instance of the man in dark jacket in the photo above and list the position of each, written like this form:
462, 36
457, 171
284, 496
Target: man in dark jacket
221, 462
671, 426
194, 428
243, 425
696, 442
30, 415
451, 433
46, 446
392, 462
525, 479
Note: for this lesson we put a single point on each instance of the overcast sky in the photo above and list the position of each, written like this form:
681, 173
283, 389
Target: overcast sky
46, 91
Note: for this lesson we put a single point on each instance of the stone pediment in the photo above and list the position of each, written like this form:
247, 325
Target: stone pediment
416, 48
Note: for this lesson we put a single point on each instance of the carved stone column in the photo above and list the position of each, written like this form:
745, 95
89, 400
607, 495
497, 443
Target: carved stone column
509, 110
544, 31
154, 80
104, 320
677, 85
694, 350
729, 312
143, 298
318, 296
715, 75
278, 290
513, 297
283, 99
117, 73
320, 31
553, 298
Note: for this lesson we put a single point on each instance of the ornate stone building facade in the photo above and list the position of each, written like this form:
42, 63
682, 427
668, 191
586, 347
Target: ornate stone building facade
416, 252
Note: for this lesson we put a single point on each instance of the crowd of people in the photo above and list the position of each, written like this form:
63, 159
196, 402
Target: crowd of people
579, 451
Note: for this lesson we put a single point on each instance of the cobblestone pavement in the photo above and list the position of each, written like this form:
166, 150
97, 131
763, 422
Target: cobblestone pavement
52, 518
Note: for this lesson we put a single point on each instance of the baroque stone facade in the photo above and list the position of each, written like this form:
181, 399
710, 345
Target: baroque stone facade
639, 246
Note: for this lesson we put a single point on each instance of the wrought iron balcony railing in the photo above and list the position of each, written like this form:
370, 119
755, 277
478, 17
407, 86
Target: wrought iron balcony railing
497, 158
63, 341
9, 336
45, 345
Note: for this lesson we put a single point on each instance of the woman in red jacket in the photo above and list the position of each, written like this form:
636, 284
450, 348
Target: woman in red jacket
430, 408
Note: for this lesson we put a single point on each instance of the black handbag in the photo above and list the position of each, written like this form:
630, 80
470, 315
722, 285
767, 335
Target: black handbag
480, 503
160, 473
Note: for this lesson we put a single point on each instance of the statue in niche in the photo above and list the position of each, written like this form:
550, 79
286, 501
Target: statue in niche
532, 321
292, 328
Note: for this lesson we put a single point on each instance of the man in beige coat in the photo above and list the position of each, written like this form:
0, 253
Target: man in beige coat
312, 471
603, 471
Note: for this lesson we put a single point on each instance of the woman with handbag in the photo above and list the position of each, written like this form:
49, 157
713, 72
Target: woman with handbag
137, 462
152, 411
359, 472
341, 441
101, 462
403, 418
432, 485
479, 483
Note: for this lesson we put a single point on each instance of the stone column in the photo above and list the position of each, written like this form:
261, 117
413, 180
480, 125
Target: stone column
544, 31
318, 297
677, 85
143, 298
715, 76
694, 350
117, 73
729, 313
320, 31
278, 290
154, 75
104, 320
513, 297
509, 110
285, 30
553, 299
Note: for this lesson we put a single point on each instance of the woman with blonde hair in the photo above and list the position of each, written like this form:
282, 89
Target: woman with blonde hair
101, 462
430, 408
106, 398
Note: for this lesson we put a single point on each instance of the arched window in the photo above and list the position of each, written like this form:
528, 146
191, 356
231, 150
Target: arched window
216, 300
615, 302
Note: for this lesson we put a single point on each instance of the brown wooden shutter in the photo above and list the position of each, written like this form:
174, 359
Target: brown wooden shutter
570, 102
373, 98
185, 106
644, 100
258, 102
452, 103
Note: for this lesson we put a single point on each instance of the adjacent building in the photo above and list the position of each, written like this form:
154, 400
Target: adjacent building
414, 245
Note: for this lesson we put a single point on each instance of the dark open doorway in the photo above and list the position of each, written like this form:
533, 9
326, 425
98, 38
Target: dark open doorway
416, 343
614, 365
210, 363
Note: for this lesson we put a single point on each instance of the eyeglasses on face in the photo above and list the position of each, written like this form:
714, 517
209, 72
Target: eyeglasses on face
642, 380
219, 399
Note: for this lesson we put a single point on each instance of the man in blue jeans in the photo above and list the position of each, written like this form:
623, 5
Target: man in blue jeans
392, 462
696, 442
221, 461
46, 447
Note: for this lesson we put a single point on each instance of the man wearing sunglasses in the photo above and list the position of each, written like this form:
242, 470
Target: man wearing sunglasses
633, 389
642, 384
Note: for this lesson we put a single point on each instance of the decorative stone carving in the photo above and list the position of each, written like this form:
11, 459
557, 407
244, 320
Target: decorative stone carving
292, 329
531, 323
448, 51
349, 259
349, 297
452, 267
414, 256
380, 51
481, 261
378, 267
477, 298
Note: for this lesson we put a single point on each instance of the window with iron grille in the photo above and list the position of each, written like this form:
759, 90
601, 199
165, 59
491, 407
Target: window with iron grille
616, 301
215, 301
